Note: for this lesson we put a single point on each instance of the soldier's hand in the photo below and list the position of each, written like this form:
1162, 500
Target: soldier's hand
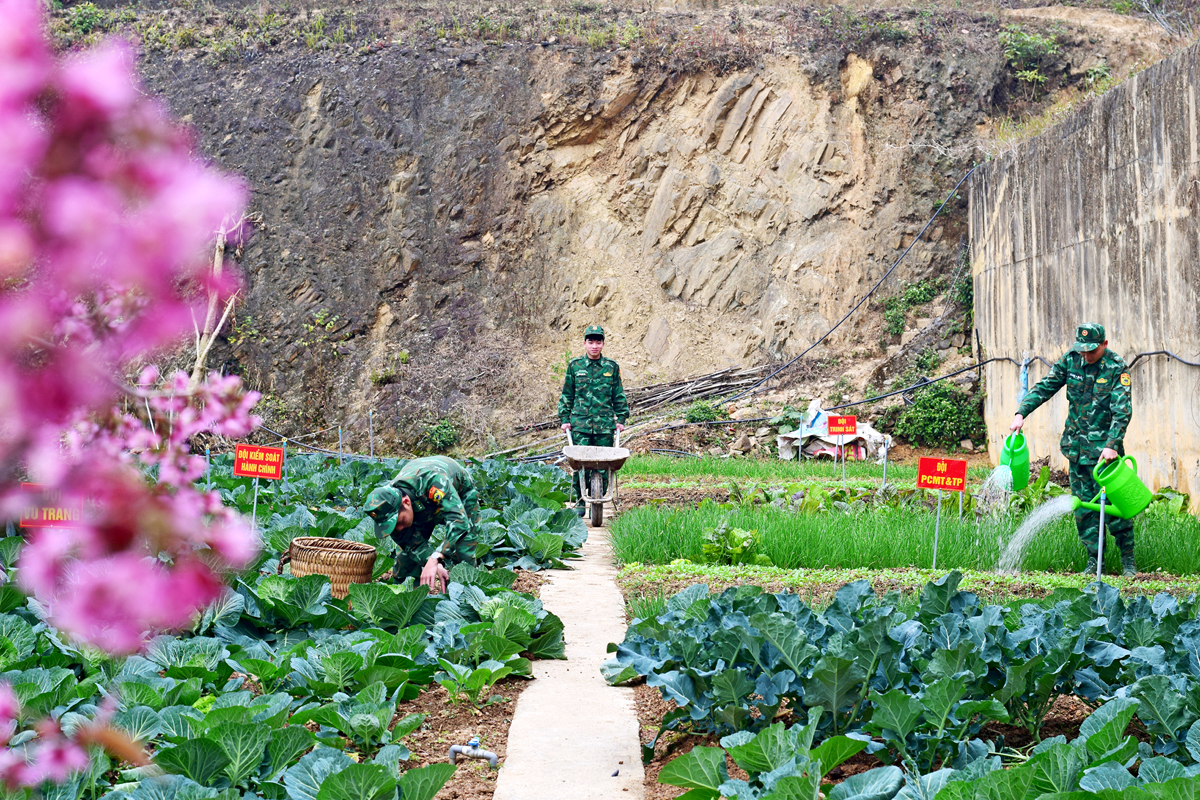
1108, 454
566, 427
1017, 422
620, 427
434, 575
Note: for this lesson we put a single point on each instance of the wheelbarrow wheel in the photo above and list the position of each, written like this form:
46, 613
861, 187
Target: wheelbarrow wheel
597, 491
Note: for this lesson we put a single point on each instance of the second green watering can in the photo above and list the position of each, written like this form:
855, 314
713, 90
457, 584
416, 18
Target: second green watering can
1015, 456
1125, 494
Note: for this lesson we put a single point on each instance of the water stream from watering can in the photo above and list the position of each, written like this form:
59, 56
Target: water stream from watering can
994, 492
1038, 520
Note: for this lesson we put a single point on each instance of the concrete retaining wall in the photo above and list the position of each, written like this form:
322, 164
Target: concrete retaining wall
1097, 220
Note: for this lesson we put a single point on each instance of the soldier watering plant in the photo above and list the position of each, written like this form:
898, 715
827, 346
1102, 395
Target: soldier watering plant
427, 492
592, 405
1099, 410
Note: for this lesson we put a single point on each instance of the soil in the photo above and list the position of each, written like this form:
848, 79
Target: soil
907, 454
449, 723
819, 594
529, 582
672, 496
1059, 477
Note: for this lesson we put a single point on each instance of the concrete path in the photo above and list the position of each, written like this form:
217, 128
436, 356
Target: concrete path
571, 731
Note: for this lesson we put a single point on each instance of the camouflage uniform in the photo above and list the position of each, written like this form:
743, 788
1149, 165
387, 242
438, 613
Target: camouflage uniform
1099, 410
441, 493
593, 402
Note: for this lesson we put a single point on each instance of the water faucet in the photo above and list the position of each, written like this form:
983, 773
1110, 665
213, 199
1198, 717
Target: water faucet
472, 750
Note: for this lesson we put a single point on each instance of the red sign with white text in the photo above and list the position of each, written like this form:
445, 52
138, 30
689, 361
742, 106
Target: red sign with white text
846, 426
942, 473
252, 461
46, 509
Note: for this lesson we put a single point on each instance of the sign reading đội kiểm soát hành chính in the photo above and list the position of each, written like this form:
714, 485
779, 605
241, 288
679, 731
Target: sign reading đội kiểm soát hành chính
253, 461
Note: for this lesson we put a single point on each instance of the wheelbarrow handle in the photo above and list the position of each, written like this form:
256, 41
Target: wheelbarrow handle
616, 439
570, 441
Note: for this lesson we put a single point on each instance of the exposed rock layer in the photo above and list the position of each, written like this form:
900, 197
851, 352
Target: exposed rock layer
438, 224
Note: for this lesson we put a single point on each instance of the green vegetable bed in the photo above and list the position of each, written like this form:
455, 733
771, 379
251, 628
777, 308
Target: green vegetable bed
915, 683
281, 691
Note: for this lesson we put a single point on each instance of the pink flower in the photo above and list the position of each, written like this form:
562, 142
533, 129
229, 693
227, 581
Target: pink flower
45, 560
106, 602
235, 542
24, 57
54, 760
10, 712
99, 81
12, 767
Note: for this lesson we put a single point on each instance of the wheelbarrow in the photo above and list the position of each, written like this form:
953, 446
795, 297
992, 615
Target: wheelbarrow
600, 459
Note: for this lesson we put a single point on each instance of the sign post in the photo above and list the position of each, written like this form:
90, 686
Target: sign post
842, 426
253, 461
949, 474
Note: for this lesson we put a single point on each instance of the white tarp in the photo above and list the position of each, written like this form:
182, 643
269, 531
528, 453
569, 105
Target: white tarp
812, 439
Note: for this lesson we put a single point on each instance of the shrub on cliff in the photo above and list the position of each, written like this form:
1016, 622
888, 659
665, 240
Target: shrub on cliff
941, 416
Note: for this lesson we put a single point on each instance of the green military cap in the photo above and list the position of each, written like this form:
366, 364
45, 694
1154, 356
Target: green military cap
1088, 337
593, 330
383, 504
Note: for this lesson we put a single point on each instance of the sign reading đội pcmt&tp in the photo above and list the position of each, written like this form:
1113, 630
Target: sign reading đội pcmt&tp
942, 473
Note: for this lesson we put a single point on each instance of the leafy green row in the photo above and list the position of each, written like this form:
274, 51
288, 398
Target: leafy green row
946, 669
782, 765
188, 697
523, 524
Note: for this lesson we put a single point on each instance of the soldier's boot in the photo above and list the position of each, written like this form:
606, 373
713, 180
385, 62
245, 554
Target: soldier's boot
1128, 568
1090, 569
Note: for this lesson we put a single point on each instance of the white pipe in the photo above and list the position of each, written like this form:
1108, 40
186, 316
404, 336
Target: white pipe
472, 750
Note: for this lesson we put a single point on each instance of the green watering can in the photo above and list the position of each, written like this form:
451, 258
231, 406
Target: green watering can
1125, 494
1015, 455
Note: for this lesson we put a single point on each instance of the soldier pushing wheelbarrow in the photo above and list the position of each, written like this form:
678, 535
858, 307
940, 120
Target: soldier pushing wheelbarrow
593, 410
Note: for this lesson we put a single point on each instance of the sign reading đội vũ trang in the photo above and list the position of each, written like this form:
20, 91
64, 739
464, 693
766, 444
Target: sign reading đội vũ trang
46, 509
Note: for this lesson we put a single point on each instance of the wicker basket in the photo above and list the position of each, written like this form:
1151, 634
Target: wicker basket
343, 562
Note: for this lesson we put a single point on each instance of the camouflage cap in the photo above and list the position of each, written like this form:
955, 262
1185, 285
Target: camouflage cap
593, 330
383, 504
1088, 337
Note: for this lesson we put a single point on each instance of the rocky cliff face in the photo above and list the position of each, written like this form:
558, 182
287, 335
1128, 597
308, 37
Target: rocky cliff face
436, 224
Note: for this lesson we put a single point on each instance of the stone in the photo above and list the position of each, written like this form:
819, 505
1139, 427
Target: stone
745, 413
762, 433
958, 340
715, 451
907, 337
944, 344
967, 445
658, 338
599, 292
743, 443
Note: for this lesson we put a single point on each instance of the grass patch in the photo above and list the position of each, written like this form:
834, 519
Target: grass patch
889, 538
789, 471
